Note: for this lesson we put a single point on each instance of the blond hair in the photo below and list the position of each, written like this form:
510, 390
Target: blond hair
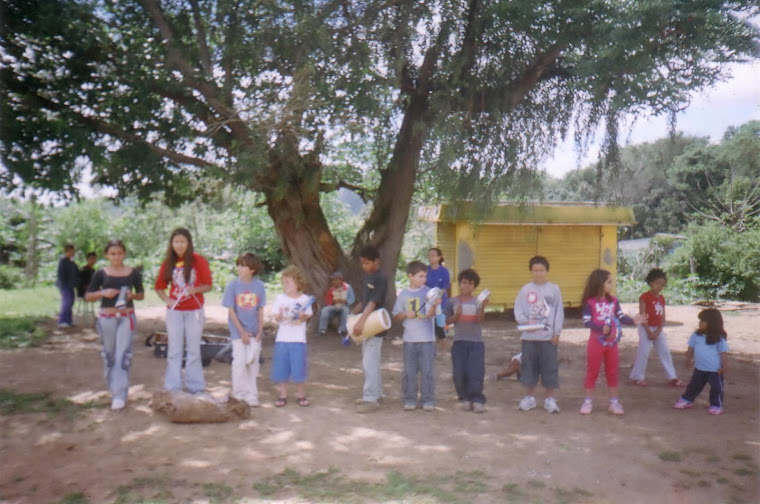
295, 273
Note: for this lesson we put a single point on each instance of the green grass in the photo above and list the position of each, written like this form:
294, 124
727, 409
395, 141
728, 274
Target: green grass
75, 498
669, 456
331, 486
36, 302
21, 332
12, 403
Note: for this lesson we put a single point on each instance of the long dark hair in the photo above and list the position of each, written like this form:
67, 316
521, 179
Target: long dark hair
171, 257
440, 254
595, 285
714, 321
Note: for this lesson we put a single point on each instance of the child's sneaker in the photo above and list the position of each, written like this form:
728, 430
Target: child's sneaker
615, 408
428, 407
550, 405
410, 407
527, 403
367, 407
682, 403
715, 410
465, 405
586, 408
478, 407
119, 404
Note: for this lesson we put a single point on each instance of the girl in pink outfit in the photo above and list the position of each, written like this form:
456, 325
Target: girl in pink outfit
603, 315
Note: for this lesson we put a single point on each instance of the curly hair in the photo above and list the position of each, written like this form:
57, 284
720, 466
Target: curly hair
296, 274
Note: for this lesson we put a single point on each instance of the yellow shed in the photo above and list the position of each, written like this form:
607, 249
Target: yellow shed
576, 238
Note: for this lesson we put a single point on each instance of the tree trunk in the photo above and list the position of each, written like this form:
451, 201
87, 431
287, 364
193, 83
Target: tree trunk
386, 225
32, 263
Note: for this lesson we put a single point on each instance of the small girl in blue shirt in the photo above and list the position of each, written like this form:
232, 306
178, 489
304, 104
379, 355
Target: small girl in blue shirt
707, 354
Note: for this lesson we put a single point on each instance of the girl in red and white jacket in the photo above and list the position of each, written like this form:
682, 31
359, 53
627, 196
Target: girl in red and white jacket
603, 315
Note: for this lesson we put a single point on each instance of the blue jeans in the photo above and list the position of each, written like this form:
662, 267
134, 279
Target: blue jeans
184, 330
698, 381
418, 360
327, 311
373, 378
67, 304
116, 335
468, 367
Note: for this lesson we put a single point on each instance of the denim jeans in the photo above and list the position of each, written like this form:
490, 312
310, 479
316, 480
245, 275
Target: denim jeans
373, 378
418, 360
328, 311
67, 305
468, 368
184, 329
116, 335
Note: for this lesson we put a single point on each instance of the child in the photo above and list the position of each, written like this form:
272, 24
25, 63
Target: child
468, 352
540, 302
416, 314
374, 287
67, 279
652, 303
245, 298
438, 276
707, 354
338, 297
293, 309
603, 315
85, 274
116, 285
187, 276
514, 368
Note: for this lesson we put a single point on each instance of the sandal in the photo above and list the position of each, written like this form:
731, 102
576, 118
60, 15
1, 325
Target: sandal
280, 402
675, 382
303, 402
640, 383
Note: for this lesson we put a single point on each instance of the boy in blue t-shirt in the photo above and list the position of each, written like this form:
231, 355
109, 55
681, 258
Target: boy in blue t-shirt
245, 298
417, 315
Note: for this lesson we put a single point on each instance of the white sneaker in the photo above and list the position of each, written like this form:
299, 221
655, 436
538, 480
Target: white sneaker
550, 405
586, 408
616, 408
117, 404
527, 403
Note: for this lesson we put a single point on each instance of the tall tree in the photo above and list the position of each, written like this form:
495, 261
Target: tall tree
294, 98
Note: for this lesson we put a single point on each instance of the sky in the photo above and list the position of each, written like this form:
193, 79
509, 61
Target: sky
730, 103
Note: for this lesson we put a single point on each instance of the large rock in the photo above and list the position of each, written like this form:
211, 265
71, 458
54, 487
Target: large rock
182, 407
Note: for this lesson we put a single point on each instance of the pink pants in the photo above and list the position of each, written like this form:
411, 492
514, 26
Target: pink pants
596, 353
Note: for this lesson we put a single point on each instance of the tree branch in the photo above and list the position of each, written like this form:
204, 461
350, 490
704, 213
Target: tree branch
177, 58
364, 193
103, 127
200, 36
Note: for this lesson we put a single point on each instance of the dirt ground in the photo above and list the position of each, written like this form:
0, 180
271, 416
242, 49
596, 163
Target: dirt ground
651, 454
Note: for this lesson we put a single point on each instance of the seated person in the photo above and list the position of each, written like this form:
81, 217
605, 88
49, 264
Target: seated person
514, 368
85, 274
338, 298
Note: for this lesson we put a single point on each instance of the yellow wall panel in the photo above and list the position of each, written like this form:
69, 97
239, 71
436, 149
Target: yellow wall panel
573, 252
501, 259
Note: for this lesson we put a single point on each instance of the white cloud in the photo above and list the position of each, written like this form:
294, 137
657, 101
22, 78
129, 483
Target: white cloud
730, 103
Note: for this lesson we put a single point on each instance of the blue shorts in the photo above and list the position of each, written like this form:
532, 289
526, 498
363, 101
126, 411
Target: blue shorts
289, 363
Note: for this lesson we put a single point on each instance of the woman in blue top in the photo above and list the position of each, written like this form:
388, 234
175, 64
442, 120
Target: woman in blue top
438, 276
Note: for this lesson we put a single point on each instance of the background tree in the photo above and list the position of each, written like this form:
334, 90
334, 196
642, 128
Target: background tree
179, 97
